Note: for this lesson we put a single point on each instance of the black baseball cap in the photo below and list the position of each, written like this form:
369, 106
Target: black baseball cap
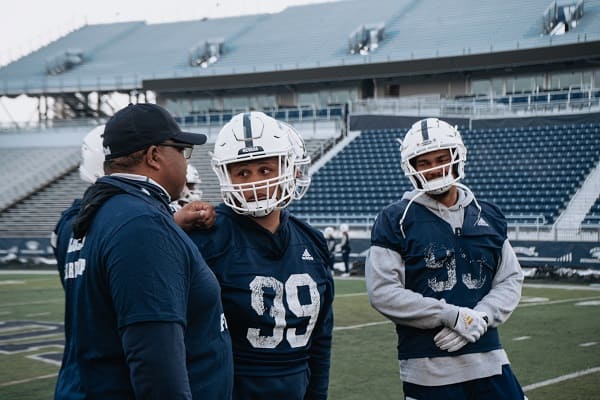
138, 126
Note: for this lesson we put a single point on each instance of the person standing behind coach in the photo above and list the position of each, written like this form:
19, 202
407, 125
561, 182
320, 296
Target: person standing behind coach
143, 316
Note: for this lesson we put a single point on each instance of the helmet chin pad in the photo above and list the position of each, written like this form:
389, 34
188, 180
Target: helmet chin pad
260, 208
438, 185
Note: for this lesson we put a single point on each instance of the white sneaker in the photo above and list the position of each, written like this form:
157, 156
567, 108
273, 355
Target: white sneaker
345, 274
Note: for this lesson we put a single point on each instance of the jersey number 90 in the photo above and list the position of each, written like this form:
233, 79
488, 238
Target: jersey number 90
277, 310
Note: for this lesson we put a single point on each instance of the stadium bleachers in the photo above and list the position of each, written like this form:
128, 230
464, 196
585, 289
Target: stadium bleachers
529, 172
36, 215
593, 216
25, 170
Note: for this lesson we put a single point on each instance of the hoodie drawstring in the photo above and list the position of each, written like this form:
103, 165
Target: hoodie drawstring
420, 193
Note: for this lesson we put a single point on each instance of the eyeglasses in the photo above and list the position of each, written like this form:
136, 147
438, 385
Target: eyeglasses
186, 149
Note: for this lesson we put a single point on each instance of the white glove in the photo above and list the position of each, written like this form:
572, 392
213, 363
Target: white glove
449, 340
470, 324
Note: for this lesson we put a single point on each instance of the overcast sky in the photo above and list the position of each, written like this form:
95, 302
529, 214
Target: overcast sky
27, 24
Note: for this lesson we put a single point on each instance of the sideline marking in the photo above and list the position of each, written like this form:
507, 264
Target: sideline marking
589, 303
32, 302
28, 272
557, 301
351, 294
11, 383
560, 286
561, 378
344, 328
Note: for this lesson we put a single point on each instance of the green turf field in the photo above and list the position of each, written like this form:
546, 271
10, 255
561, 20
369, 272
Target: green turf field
552, 339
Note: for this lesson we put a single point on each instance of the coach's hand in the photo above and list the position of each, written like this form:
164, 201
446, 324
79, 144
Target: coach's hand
196, 215
470, 324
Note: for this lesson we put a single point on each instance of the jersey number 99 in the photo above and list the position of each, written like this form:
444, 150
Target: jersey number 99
277, 310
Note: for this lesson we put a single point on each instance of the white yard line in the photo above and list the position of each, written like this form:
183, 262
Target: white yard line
351, 294
32, 302
561, 378
344, 328
36, 378
543, 303
28, 272
558, 286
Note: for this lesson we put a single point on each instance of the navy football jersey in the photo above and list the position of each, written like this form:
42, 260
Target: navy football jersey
457, 266
62, 235
277, 294
135, 265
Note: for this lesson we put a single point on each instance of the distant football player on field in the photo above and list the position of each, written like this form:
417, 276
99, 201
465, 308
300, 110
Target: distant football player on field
276, 287
191, 191
441, 268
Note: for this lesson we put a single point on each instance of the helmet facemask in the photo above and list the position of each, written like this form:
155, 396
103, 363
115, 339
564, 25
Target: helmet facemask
255, 137
450, 175
424, 137
261, 197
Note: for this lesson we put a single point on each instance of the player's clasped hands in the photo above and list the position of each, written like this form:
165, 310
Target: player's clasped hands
470, 325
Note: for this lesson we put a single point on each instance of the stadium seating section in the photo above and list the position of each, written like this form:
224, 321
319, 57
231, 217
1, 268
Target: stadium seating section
593, 217
49, 179
530, 173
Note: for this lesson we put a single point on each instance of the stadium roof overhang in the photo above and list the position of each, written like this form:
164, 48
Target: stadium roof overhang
551, 57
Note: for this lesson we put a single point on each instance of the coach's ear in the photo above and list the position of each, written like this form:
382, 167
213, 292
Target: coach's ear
153, 157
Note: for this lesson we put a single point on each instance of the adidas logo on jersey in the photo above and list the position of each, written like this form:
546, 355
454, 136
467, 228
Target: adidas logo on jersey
306, 256
482, 222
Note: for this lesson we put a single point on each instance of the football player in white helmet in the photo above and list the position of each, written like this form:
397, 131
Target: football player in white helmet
191, 191
192, 184
329, 233
441, 139
440, 266
255, 139
276, 285
302, 164
92, 156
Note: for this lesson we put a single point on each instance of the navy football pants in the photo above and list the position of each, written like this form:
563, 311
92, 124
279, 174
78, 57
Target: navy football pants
497, 387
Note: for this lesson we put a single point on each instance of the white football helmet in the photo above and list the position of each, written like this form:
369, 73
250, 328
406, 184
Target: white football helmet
302, 164
191, 190
429, 135
254, 136
92, 156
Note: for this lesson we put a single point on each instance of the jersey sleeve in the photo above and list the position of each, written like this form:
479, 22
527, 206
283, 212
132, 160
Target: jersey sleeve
213, 242
505, 293
385, 280
152, 375
147, 271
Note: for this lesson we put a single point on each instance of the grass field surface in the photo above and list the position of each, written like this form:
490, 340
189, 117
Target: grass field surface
552, 340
